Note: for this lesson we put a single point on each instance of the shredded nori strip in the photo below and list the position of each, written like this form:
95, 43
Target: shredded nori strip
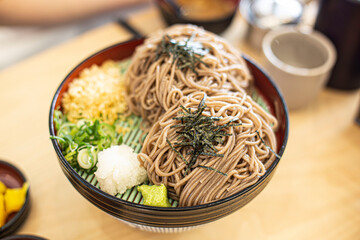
199, 133
263, 142
188, 53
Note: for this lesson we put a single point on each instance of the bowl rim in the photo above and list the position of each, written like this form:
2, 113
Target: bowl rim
152, 208
19, 218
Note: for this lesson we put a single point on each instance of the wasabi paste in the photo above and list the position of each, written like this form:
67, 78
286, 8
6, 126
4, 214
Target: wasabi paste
154, 195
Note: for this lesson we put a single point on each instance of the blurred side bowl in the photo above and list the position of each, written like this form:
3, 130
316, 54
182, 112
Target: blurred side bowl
174, 12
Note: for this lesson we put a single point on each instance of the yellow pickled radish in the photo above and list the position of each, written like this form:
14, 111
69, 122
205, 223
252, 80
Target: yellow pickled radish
2, 187
15, 198
3, 214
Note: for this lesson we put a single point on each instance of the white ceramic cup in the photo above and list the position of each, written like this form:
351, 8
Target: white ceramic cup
299, 61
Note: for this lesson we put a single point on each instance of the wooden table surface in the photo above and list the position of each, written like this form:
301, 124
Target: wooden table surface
315, 193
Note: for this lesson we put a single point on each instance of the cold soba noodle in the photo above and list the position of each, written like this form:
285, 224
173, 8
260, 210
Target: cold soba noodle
155, 84
208, 138
245, 157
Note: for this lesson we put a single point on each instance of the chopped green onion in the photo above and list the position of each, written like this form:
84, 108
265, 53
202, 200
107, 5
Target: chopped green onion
87, 158
81, 141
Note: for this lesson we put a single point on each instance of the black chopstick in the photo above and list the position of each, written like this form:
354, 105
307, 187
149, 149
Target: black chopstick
124, 23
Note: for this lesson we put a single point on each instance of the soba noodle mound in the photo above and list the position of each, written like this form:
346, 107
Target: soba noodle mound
245, 148
156, 82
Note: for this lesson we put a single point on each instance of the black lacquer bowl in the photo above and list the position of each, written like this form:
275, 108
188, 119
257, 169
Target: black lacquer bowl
179, 218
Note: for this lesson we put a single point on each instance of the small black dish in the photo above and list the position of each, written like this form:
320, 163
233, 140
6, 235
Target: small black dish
23, 237
12, 177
